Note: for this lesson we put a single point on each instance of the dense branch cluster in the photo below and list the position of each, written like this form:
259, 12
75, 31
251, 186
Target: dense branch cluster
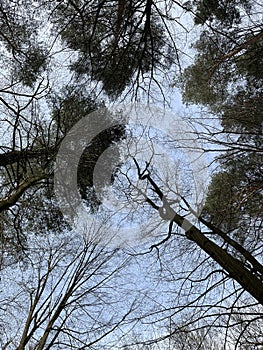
195, 280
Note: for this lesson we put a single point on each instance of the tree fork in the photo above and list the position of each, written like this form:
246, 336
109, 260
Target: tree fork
236, 270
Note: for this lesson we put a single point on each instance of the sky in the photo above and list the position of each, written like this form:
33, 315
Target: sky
155, 281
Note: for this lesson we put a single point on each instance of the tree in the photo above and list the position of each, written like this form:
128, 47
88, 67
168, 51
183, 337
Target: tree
228, 60
65, 298
36, 113
220, 12
118, 42
70, 58
231, 90
226, 54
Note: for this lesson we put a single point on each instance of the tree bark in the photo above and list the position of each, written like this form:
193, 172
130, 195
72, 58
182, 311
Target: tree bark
235, 268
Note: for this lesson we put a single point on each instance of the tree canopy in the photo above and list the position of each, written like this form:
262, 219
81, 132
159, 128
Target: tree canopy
143, 261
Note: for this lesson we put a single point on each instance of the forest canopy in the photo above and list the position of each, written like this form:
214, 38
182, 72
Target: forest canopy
131, 174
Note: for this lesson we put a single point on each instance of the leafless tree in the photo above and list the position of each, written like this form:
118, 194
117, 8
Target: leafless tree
66, 298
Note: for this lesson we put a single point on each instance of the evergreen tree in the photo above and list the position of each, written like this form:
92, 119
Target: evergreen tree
228, 67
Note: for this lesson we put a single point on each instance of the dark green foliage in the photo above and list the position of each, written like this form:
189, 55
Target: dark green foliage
201, 83
15, 33
220, 200
71, 106
29, 69
226, 77
235, 195
223, 11
70, 109
243, 114
250, 63
19, 34
226, 61
89, 159
115, 45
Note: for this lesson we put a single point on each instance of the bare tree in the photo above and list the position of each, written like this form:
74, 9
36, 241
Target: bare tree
65, 297
200, 277
206, 273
